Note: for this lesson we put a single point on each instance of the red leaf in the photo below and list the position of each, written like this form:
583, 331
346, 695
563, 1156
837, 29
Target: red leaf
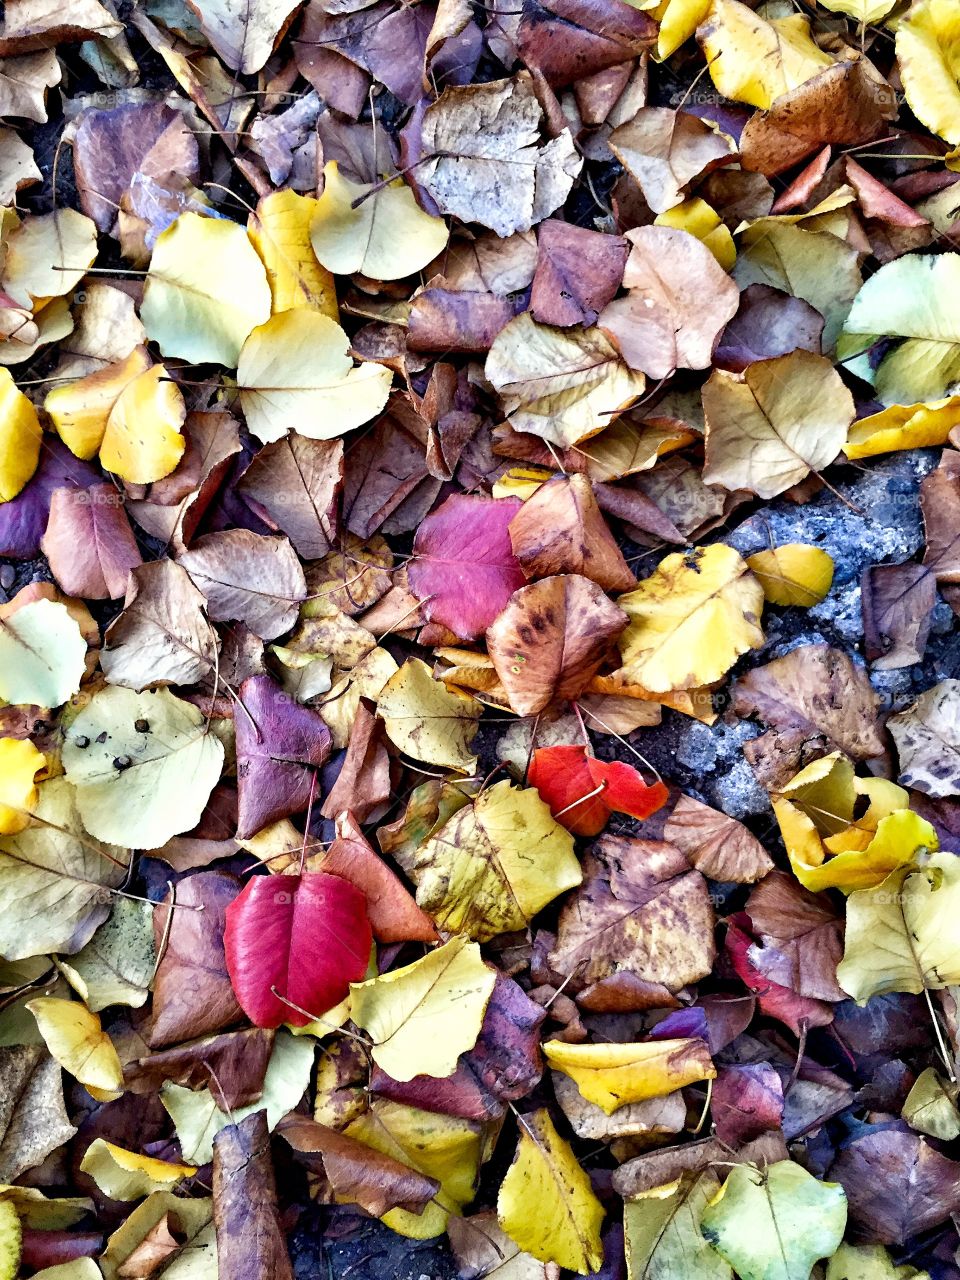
307, 937
774, 1000
582, 791
464, 568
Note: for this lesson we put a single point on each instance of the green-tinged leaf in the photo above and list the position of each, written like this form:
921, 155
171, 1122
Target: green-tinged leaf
662, 1232
42, 654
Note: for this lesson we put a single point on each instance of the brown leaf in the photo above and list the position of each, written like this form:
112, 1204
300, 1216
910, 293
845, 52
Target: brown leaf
244, 35
641, 909
30, 25
248, 578
940, 506
578, 273
679, 299
927, 735
162, 636
251, 1243
383, 468
357, 1173
363, 783
560, 529
482, 1248
718, 846
551, 638
802, 937
665, 150
24, 82
897, 600
297, 482
231, 1065
566, 40
454, 320
817, 701
33, 1118
192, 993
768, 323
161, 1243
89, 542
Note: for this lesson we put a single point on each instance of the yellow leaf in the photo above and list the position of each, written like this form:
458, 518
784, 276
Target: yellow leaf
19, 762
690, 620
428, 721
494, 864
928, 55
546, 1204
206, 290
423, 1016
521, 482
794, 574
563, 385
130, 412
75, 1038
20, 438
862, 10
296, 374
387, 236
679, 19
280, 233
611, 1075
699, 219
11, 1235
126, 1175
903, 426
770, 426
47, 256
903, 934
442, 1147
755, 61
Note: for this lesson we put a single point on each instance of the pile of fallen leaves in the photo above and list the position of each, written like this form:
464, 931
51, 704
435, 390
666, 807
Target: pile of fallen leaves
380, 384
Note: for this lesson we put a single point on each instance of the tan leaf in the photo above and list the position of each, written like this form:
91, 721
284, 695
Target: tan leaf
560, 529
665, 150
718, 846
248, 578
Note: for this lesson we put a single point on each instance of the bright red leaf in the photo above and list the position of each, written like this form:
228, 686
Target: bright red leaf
582, 791
305, 937
464, 569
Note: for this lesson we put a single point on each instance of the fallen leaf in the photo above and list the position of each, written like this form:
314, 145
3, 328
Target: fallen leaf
928, 742
298, 481
755, 61
776, 1223
246, 1213
20, 438
20, 761
691, 620
239, 1060
33, 1116
749, 960
448, 990
276, 969
551, 639
641, 911
23, 519
793, 574
280, 232
42, 655
206, 290
76, 1039
126, 1175
897, 600
768, 323
925, 44
930, 1109
464, 569
89, 542
583, 791
666, 150
746, 1101
481, 1247
903, 426
664, 324
493, 864
702, 221
428, 721
118, 964
578, 273
613, 1075
546, 1204
162, 636
489, 165
662, 1230
561, 385
295, 373
716, 845
140, 1238
802, 935
143, 765
244, 576
47, 256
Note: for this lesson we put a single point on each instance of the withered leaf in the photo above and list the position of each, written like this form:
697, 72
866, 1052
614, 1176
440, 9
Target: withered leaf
718, 846
248, 578
802, 937
560, 529
578, 273
897, 600
89, 542
665, 150
927, 735
297, 482
250, 1239
232, 1065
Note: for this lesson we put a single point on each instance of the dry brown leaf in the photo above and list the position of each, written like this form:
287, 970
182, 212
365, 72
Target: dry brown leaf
248, 578
718, 846
560, 529
666, 149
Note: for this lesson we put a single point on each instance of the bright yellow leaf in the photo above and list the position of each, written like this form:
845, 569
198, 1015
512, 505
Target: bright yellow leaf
699, 219
75, 1038
423, 1016
206, 290
611, 1075
546, 1204
755, 61
690, 620
426, 720
19, 763
127, 1175
794, 573
928, 55
11, 1235
903, 426
521, 482
20, 437
130, 412
679, 19
387, 236
296, 374
280, 233
443, 1147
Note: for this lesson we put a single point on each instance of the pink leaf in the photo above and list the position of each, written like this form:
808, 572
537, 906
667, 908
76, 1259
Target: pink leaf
464, 568
89, 542
304, 937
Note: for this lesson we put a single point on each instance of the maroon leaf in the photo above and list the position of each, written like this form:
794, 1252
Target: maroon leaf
464, 569
747, 1100
305, 938
279, 745
89, 542
578, 273
774, 1000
